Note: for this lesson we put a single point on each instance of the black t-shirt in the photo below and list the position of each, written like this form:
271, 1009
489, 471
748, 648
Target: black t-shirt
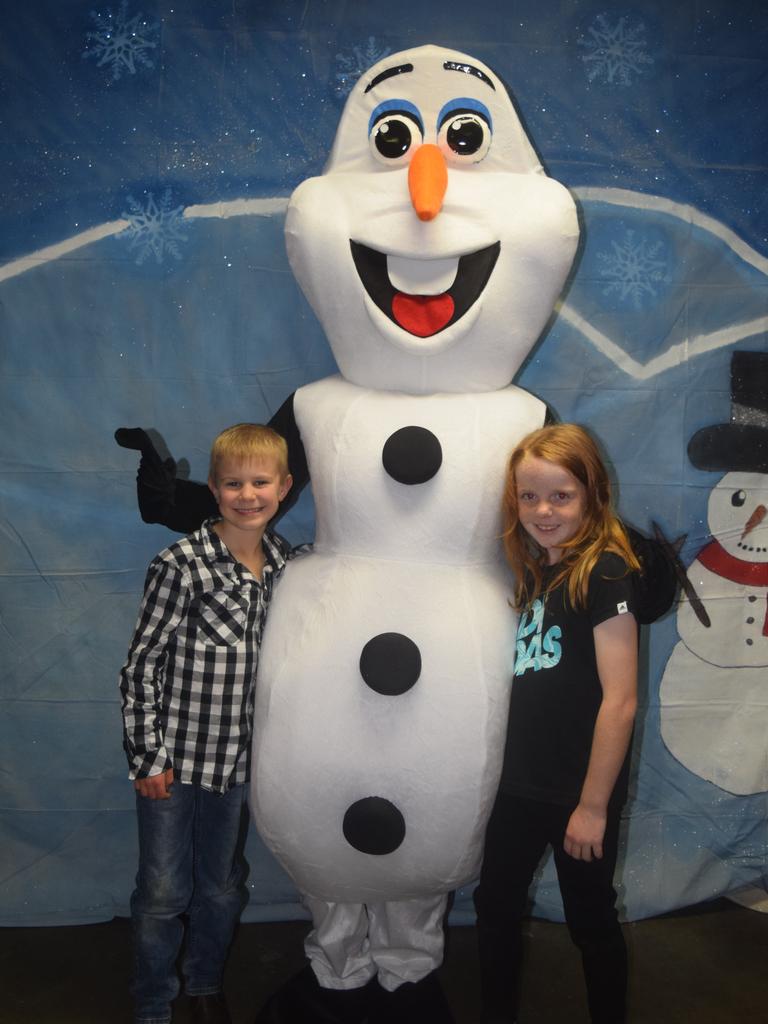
556, 691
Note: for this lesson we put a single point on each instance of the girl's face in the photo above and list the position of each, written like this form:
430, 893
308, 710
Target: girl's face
551, 504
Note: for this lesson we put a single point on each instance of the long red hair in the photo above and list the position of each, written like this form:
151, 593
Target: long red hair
570, 446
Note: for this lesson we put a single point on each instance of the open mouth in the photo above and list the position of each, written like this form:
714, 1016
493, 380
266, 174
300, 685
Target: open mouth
419, 314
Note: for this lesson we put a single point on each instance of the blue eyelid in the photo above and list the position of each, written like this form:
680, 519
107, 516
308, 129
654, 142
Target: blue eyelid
402, 105
464, 103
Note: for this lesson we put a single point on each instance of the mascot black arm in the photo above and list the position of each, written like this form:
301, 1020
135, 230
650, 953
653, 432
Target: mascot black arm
183, 505
657, 583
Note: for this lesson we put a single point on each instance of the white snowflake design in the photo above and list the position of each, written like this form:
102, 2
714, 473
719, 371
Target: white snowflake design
616, 51
634, 269
351, 66
155, 228
120, 41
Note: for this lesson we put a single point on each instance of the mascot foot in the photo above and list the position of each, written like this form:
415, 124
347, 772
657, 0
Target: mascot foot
412, 1003
302, 1001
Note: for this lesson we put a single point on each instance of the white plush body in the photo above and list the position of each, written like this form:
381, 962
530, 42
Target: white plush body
422, 560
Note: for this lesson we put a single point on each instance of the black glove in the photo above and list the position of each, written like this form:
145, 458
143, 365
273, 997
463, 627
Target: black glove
180, 505
657, 581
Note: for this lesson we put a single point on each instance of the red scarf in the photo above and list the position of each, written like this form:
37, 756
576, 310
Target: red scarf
755, 574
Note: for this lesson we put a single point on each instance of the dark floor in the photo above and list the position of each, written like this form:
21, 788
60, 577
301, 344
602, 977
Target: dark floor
708, 965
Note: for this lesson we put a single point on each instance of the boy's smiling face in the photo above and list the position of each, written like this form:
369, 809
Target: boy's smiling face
248, 493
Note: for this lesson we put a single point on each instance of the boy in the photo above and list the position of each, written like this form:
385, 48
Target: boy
188, 694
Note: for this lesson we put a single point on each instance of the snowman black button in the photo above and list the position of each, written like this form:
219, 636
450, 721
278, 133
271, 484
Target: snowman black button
374, 825
412, 455
390, 664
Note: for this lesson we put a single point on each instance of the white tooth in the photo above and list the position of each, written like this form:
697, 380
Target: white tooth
421, 277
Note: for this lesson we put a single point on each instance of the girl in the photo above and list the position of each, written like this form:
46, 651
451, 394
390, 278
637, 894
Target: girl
572, 709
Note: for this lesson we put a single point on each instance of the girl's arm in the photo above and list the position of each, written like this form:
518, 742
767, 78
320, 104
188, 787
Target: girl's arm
616, 651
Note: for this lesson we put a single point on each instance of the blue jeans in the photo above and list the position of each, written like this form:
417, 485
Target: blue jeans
190, 862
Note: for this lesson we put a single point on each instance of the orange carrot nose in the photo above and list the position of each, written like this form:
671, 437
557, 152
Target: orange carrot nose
755, 519
427, 181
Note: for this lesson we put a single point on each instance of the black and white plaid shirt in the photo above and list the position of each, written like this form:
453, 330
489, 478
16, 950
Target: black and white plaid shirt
188, 683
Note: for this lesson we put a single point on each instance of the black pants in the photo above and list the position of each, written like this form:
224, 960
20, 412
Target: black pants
519, 832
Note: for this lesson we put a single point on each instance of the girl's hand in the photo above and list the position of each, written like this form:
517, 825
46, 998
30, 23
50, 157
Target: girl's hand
584, 834
155, 787
616, 653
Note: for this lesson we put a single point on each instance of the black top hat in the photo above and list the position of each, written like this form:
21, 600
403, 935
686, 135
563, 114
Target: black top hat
742, 444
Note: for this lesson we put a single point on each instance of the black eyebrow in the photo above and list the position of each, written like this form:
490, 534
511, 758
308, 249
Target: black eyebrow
469, 69
401, 69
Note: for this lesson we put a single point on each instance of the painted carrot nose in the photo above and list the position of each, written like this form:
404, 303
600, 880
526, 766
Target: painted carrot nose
755, 519
427, 181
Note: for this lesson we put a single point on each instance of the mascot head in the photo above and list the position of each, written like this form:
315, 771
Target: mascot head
434, 246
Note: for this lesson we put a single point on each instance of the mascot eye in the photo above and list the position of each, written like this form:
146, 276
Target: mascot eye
393, 136
738, 498
465, 133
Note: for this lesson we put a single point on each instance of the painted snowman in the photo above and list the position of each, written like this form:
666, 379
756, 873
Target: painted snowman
432, 249
714, 692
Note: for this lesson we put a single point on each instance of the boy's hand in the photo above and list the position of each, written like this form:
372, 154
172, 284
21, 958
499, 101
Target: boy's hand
155, 787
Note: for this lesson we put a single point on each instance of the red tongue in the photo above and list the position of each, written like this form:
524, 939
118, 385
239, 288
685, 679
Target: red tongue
422, 315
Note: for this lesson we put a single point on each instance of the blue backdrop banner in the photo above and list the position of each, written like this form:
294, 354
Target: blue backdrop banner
149, 152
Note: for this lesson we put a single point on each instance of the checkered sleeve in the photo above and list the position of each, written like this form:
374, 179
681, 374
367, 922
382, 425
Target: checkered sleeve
164, 605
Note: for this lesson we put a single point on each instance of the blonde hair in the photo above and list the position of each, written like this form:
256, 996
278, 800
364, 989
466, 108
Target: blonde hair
571, 447
248, 441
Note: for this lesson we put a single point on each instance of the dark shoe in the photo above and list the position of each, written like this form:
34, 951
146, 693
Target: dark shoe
210, 1009
302, 1001
416, 1002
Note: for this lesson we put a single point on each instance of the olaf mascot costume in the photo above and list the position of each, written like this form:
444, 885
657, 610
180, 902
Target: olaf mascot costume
432, 249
